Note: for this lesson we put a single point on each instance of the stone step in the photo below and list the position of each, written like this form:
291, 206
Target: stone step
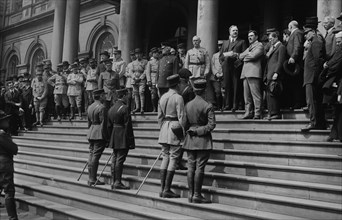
284, 171
265, 134
59, 165
92, 203
53, 210
267, 157
251, 203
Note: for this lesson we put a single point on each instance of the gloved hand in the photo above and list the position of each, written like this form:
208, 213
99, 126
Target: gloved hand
192, 133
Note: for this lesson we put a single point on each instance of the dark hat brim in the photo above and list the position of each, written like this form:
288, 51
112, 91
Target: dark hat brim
291, 69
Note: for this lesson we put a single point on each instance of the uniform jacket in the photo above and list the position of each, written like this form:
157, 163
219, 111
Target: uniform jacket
128, 75
92, 79
39, 88
120, 126
313, 62
109, 81
198, 62
7, 149
252, 57
275, 60
152, 71
170, 105
200, 117
75, 84
59, 81
138, 71
97, 121
46, 75
216, 67
294, 46
330, 43
168, 65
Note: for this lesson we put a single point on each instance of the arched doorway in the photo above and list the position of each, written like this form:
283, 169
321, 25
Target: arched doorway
106, 42
37, 57
12, 69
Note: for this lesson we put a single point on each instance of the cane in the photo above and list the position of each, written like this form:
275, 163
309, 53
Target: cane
86, 164
104, 168
142, 183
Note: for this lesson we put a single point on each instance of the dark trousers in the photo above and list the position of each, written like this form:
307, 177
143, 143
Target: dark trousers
294, 94
314, 103
7, 184
197, 160
273, 105
96, 148
336, 130
233, 89
119, 157
216, 85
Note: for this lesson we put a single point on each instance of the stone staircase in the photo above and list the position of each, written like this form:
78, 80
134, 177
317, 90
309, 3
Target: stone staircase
257, 170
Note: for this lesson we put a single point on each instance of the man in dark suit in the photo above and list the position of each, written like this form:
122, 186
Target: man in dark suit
293, 84
97, 134
27, 103
200, 122
330, 40
273, 73
231, 68
13, 105
121, 137
313, 65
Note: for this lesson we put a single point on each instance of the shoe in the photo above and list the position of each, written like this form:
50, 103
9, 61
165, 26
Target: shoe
227, 108
308, 128
181, 167
247, 117
142, 111
59, 118
256, 117
234, 109
329, 139
119, 186
90, 183
35, 124
274, 117
305, 109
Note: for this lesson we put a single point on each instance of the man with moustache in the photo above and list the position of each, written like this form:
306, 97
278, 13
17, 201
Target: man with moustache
330, 40
231, 68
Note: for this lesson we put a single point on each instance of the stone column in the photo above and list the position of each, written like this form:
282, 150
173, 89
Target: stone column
192, 21
207, 24
328, 8
58, 33
127, 27
71, 31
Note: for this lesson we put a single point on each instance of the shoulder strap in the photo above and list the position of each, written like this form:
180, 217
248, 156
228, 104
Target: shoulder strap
186, 88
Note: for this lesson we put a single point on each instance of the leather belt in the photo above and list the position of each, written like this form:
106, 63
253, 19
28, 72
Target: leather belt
170, 119
198, 64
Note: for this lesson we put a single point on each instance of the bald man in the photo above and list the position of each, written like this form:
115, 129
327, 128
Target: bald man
330, 40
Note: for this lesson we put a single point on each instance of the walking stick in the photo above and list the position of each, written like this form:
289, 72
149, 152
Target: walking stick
104, 168
86, 164
142, 183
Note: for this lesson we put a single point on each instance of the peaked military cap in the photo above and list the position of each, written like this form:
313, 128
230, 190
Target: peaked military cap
106, 61
83, 60
98, 91
116, 51
270, 30
154, 50
105, 53
74, 65
132, 53
184, 73
311, 22
173, 80
137, 50
92, 60
39, 72
200, 84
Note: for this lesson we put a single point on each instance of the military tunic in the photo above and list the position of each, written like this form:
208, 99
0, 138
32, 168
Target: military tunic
198, 62
168, 65
39, 89
59, 81
109, 81
138, 75
152, 71
119, 66
75, 84
97, 121
91, 80
128, 75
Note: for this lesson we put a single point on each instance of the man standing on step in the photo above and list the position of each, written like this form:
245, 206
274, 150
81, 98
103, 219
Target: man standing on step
40, 92
121, 136
200, 122
7, 149
97, 134
171, 119
74, 81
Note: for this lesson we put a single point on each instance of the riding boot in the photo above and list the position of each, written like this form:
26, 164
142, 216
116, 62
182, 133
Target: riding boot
79, 112
137, 103
58, 112
95, 165
72, 113
155, 104
65, 111
142, 103
162, 181
112, 171
179, 161
90, 178
167, 193
191, 176
118, 174
198, 198
10, 206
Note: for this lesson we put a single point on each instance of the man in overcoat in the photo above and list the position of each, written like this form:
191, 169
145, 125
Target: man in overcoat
200, 122
97, 134
121, 136
170, 115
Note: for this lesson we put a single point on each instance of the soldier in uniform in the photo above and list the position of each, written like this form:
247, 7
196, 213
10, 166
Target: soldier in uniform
152, 77
91, 81
119, 66
7, 149
200, 122
168, 65
216, 76
129, 85
27, 104
197, 60
40, 92
138, 80
181, 55
59, 82
170, 116
74, 93
103, 57
97, 134
48, 72
121, 137
109, 81
66, 66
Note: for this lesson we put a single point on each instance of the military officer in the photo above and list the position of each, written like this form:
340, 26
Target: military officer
152, 76
7, 149
59, 82
91, 80
200, 122
74, 81
197, 60
97, 134
129, 85
102, 66
121, 136
66, 66
48, 72
119, 66
109, 81
40, 92
168, 65
170, 116
139, 80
